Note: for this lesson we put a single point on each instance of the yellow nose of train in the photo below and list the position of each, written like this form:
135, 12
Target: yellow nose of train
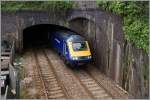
79, 53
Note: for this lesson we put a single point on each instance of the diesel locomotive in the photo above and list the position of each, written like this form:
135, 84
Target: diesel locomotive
72, 47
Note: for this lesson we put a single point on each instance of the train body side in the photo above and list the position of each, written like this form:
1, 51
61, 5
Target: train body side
58, 42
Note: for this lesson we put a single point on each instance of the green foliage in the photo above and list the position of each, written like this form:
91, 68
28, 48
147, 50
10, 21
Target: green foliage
135, 19
13, 6
58, 5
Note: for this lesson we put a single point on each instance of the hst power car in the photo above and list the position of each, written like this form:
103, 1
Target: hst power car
73, 47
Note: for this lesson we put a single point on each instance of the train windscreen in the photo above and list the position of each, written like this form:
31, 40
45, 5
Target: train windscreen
79, 46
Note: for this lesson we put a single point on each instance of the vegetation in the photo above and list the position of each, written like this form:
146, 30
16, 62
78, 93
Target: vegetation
13, 6
135, 16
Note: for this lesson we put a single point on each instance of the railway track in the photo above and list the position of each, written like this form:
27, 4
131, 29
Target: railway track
48, 79
55, 80
91, 85
109, 85
40, 85
67, 77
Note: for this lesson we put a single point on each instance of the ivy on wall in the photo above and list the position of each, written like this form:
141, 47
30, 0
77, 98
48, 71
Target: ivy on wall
135, 16
12, 6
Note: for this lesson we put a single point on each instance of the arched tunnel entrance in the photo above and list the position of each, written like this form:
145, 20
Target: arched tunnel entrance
38, 35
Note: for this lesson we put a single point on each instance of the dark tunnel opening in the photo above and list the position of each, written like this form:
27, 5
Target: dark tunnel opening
38, 35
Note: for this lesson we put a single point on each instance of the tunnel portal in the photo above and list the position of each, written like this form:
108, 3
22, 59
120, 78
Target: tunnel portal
38, 35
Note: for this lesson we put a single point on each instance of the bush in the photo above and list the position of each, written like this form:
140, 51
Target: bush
135, 20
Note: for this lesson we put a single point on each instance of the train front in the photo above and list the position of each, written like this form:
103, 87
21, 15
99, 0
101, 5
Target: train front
79, 51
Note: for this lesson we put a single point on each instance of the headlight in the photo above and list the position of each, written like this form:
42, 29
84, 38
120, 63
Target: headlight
89, 57
75, 58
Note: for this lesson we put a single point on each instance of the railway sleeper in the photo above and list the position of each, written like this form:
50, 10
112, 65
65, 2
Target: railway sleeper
56, 92
56, 96
92, 85
55, 88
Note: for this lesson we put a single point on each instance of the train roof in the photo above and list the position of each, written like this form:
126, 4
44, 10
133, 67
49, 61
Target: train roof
70, 36
75, 38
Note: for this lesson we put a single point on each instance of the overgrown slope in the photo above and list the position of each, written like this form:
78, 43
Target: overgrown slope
135, 20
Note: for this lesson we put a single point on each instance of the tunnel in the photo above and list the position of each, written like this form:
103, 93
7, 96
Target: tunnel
38, 35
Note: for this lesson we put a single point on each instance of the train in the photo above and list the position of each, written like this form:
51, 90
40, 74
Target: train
72, 47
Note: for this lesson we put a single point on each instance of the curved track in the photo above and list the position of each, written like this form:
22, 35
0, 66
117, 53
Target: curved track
89, 83
55, 80
50, 82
